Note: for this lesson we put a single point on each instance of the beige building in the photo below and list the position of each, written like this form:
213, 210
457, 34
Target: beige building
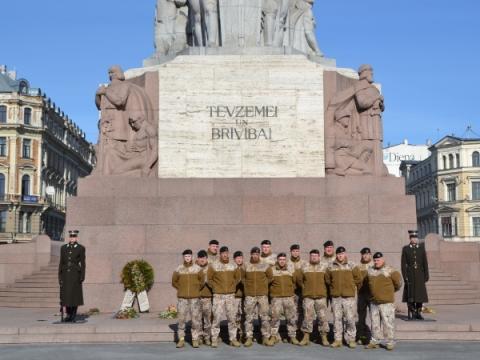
446, 186
42, 154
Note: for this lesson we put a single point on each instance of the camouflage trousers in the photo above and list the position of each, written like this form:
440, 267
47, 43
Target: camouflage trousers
206, 310
251, 303
383, 314
189, 309
363, 304
315, 309
284, 306
224, 306
344, 308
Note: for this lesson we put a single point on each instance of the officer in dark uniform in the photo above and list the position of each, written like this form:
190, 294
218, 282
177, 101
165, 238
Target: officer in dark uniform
71, 274
415, 275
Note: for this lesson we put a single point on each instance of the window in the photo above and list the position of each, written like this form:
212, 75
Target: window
476, 158
444, 162
3, 114
451, 192
2, 187
25, 222
3, 146
475, 190
457, 159
25, 185
447, 227
476, 226
450, 161
27, 116
3, 220
27, 144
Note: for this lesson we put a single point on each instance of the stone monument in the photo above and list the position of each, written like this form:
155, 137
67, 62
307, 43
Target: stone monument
237, 129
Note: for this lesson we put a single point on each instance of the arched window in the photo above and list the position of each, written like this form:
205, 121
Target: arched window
476, 158
2, 187
25, 185
450, 161
3, 114
444, 162
457, 159
27, 116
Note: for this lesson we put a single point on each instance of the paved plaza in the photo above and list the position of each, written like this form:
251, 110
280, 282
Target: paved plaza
404, 350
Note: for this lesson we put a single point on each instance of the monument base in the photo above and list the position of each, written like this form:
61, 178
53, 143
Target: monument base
121, 219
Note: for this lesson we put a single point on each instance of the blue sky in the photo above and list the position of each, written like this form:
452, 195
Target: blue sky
425, 54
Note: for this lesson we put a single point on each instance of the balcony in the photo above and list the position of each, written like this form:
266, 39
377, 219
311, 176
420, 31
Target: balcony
24, 199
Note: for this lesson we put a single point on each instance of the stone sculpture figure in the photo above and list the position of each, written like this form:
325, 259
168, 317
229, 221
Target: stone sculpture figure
204, 22
166, 24
281, 21
302, 23
126, 131
356, 117
211, 21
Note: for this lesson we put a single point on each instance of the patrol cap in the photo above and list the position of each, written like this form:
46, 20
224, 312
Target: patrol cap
202, 254
328, 243
365, 67
377, 255
237, 254
266, 242
295, 247
281, 255
255, 250
213, 242
224, 249
73, 233
365, 250
340, 249
187, 252
413, 233
314, 251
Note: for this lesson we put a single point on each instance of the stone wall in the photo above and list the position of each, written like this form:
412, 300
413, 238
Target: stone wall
121, 219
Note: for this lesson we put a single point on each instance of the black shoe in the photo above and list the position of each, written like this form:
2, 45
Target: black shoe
419, 316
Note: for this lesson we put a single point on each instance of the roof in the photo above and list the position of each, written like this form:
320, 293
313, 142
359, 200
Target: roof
7, 84
452, 140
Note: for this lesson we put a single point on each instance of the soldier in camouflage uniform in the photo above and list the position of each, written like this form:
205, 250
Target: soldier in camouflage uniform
205, 299
342, 278
212, 251
239, 294
311, 279
267, 255
282, 294
297, 263
256, 277
328, 252
363, 296
223, 277
383, 281
188, 279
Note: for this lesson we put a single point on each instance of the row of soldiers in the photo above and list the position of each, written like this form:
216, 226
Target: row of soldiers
269, 286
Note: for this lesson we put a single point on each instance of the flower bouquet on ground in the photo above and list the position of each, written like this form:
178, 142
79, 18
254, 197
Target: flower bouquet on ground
169, 313
125, 314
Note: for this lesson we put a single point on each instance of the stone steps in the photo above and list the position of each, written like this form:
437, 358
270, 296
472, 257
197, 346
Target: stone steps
27, 303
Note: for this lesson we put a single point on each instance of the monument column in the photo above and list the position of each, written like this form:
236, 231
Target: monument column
240, 22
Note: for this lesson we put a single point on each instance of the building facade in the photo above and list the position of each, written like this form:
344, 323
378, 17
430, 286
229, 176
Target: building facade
446, 186
42, 155
393, 155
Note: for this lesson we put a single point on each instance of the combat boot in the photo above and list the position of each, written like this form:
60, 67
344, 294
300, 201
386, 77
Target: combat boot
371, 346
235, 343
248, 342
267, 341
214, 343
275, 339
206, 341
294, 341
352, 344
336, 344
389, 347
181, 343
324, 340
306, 339
200, 340
195, 343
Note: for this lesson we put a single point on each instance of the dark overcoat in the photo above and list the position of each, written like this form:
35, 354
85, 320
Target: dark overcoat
71, 274
415, 273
